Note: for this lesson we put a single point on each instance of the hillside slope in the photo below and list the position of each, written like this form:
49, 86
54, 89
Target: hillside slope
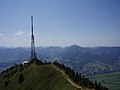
43, 77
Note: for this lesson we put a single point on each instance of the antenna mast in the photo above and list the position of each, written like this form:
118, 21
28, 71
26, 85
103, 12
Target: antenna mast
33, 53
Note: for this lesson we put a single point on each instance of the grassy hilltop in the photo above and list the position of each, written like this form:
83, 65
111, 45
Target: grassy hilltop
43, 77
36, 75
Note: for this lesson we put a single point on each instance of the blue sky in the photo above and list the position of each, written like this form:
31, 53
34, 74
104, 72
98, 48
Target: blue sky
60, 22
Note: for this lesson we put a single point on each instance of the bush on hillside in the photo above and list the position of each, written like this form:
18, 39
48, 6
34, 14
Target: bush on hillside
20, 78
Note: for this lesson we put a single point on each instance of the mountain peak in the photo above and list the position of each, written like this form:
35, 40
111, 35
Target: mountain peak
75, 46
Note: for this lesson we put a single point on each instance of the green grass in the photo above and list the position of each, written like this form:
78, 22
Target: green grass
112, 80
43, 77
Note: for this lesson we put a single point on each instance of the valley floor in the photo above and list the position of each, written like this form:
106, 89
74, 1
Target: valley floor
111, 80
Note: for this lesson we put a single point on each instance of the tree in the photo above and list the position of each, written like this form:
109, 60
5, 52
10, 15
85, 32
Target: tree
96, 85
21, 67
6, 83
20, 78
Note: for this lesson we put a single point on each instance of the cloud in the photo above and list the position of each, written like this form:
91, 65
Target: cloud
1, 34
19, 33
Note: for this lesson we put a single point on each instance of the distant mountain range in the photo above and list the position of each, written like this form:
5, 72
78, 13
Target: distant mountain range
87, 60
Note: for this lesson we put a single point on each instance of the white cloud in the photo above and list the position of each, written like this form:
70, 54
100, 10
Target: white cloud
19, 33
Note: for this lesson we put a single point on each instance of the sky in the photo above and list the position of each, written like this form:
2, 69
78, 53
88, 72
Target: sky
87, 23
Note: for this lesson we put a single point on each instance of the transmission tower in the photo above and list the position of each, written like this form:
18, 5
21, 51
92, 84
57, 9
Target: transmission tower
33, 53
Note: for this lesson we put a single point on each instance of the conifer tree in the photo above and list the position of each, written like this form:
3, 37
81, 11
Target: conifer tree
20, 78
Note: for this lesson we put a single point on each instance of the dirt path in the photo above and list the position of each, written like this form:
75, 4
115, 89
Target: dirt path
66, 77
